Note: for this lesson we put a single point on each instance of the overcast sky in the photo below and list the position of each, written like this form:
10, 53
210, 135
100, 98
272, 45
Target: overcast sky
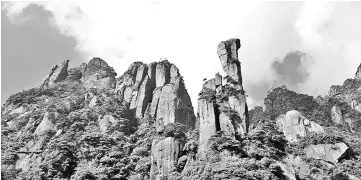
308, 46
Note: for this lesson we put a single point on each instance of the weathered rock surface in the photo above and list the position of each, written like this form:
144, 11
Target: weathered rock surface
74, 74
162, 74
164, 157
47, 123
238, 104
57, 73
157, 89
98, 74
228, 54
97, 65
349, 92
223, 107
327, 152
207, 121
293, 124
174, 105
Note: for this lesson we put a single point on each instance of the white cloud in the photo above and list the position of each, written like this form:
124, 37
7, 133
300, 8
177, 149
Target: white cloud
188, 32
330, 33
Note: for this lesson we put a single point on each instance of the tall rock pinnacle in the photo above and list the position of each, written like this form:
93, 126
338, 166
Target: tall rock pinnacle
223, 107
227, 53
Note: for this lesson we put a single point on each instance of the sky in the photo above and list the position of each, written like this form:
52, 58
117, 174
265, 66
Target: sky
308, 46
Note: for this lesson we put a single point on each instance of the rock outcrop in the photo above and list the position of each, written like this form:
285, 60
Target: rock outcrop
98, 74
327, 152
293, 125
57, 73
223, 107
358, 72
348, 98
228, 54
47, 123
156, 89
164, 157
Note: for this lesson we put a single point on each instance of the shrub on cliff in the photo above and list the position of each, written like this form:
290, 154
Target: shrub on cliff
265, 141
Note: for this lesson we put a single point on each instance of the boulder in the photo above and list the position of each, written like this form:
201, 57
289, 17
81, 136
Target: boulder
327, 152
164, 157
48, 123
17, 110
293, 124
93, 102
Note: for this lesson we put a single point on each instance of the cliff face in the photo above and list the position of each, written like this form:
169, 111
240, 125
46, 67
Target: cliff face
157, 90
84, 123
223, 107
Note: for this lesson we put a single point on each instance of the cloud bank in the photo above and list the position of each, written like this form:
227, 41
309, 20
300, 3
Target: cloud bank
187, 34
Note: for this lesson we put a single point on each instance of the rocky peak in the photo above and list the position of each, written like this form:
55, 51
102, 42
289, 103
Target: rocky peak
97, 66
57, 73
228, 54
223, 107
358, 72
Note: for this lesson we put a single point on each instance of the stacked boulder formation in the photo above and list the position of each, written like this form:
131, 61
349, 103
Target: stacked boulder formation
223, 107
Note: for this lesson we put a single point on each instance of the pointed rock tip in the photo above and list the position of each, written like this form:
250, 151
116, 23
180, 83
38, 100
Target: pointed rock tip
230, 42
358, 72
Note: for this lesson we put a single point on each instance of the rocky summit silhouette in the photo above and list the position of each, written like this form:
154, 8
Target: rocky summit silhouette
86, 123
